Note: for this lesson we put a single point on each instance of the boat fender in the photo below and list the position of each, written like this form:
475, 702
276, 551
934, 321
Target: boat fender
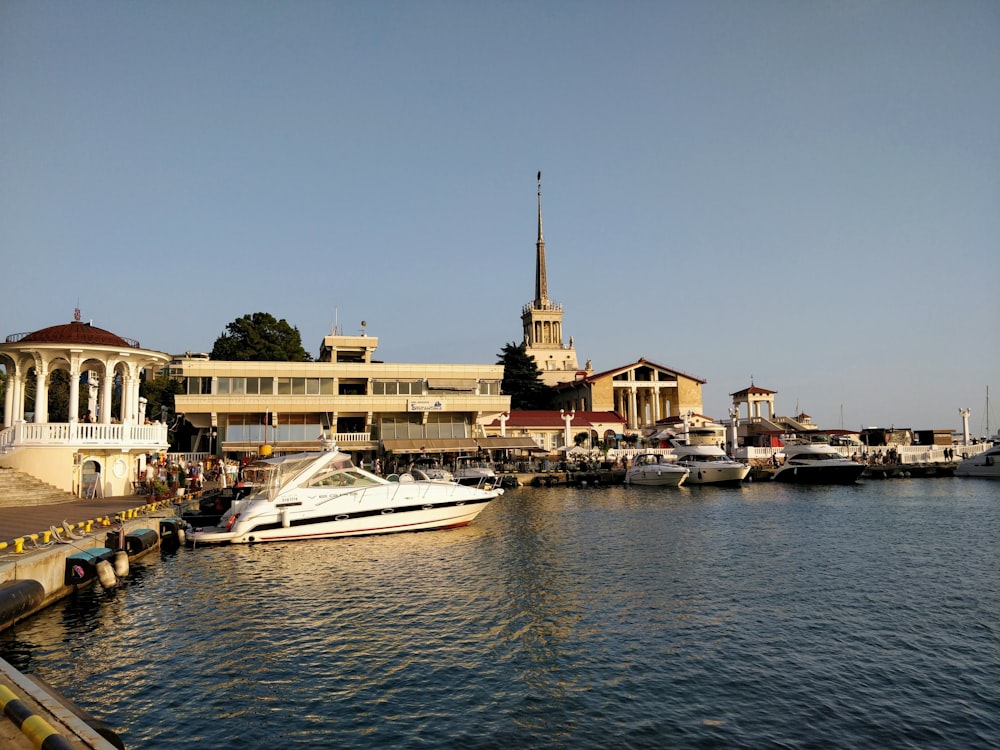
121, 564
232, 520
285, 521
181, 535
106, 575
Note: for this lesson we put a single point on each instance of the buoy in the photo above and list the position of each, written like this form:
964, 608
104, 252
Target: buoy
106, 575
121, 563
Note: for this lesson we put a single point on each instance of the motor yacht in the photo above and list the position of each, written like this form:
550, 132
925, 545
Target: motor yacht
474, 471
709, 464
429, 468
652, 469
985, 464
323, 494
816, 462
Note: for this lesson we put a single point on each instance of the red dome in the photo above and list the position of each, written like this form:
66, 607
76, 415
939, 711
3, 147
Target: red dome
78, 333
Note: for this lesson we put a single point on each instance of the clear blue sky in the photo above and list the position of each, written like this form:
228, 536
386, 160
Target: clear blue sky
807, 193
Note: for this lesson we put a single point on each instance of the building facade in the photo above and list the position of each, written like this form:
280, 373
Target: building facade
643, 393
367, 407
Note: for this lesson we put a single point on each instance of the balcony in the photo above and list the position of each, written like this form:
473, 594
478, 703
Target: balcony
124, 437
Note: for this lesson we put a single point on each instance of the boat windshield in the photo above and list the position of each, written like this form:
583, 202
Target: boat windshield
337, 476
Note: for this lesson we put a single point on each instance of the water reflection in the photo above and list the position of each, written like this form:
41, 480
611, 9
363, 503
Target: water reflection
746, 617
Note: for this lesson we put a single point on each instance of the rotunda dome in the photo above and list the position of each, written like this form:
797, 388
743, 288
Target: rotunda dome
77, 332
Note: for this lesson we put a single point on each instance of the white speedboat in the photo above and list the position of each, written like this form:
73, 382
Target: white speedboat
475, 471
323, 494
709, 464
655, 470
817, 463
986, 464
428, 468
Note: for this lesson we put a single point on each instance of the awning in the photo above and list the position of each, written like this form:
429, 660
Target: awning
507, 443
430, 445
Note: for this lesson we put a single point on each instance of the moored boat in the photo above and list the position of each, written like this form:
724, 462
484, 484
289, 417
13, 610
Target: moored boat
709, 464
475, 471
323, 494
817, 462
985, 464
652, 469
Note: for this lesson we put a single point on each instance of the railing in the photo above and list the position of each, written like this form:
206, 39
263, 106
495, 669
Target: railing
83, 434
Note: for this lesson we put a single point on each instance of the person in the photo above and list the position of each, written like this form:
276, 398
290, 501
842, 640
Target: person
378, 466
86, 417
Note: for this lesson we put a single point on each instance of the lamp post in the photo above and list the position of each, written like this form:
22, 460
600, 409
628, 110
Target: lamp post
567, 418
734, 421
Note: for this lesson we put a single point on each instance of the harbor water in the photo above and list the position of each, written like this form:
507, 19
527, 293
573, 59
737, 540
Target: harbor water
764, 616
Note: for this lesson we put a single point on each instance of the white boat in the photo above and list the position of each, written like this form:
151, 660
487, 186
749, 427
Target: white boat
652, 469
985, 464
816, 462
428, 468
475, 471
323, 494
709, 464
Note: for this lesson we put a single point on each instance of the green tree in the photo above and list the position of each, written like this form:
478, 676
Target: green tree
159, 392
522, 380
260, 338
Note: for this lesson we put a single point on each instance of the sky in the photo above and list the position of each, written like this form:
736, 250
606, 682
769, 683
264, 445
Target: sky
799, 194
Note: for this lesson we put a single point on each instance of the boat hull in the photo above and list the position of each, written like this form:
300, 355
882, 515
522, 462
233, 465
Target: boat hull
700, 474
984, 466
656, 478
838, 474
423, 517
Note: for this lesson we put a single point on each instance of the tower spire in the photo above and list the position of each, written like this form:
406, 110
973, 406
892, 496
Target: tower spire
541, 282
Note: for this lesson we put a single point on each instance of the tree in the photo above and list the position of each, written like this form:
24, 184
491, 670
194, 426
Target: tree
522, 380
260, 338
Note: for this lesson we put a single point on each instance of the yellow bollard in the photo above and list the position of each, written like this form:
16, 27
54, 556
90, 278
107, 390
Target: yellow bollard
19, 545
46, 537
3, 545
88, 525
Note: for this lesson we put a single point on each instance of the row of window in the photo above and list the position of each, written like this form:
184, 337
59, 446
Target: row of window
250, 428
228, 386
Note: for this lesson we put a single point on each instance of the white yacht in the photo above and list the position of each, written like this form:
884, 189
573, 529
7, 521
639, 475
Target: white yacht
709, 464
652, 469
472, 470
323, 494
985, 464
429, 468
817, 462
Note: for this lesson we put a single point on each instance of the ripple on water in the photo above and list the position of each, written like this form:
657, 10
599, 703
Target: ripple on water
757, 617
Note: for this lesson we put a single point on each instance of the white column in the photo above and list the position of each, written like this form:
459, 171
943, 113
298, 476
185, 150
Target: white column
8, 400
105, 406
503, 423
93, 383
17, 401
41, 393
73, 408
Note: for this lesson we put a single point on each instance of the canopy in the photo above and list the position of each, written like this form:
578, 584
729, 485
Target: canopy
430, 445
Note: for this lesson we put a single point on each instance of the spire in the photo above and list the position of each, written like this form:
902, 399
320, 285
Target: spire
541, 283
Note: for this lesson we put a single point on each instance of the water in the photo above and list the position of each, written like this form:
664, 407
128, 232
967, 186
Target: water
767, 616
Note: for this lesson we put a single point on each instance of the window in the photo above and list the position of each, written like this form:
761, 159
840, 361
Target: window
197, 386
398, 388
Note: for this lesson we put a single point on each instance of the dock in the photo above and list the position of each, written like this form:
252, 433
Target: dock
47, 552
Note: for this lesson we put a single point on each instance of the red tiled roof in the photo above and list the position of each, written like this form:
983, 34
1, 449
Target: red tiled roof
552, 418
751, 390
77, 332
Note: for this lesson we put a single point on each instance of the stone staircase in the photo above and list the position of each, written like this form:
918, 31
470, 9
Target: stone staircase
18, 488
